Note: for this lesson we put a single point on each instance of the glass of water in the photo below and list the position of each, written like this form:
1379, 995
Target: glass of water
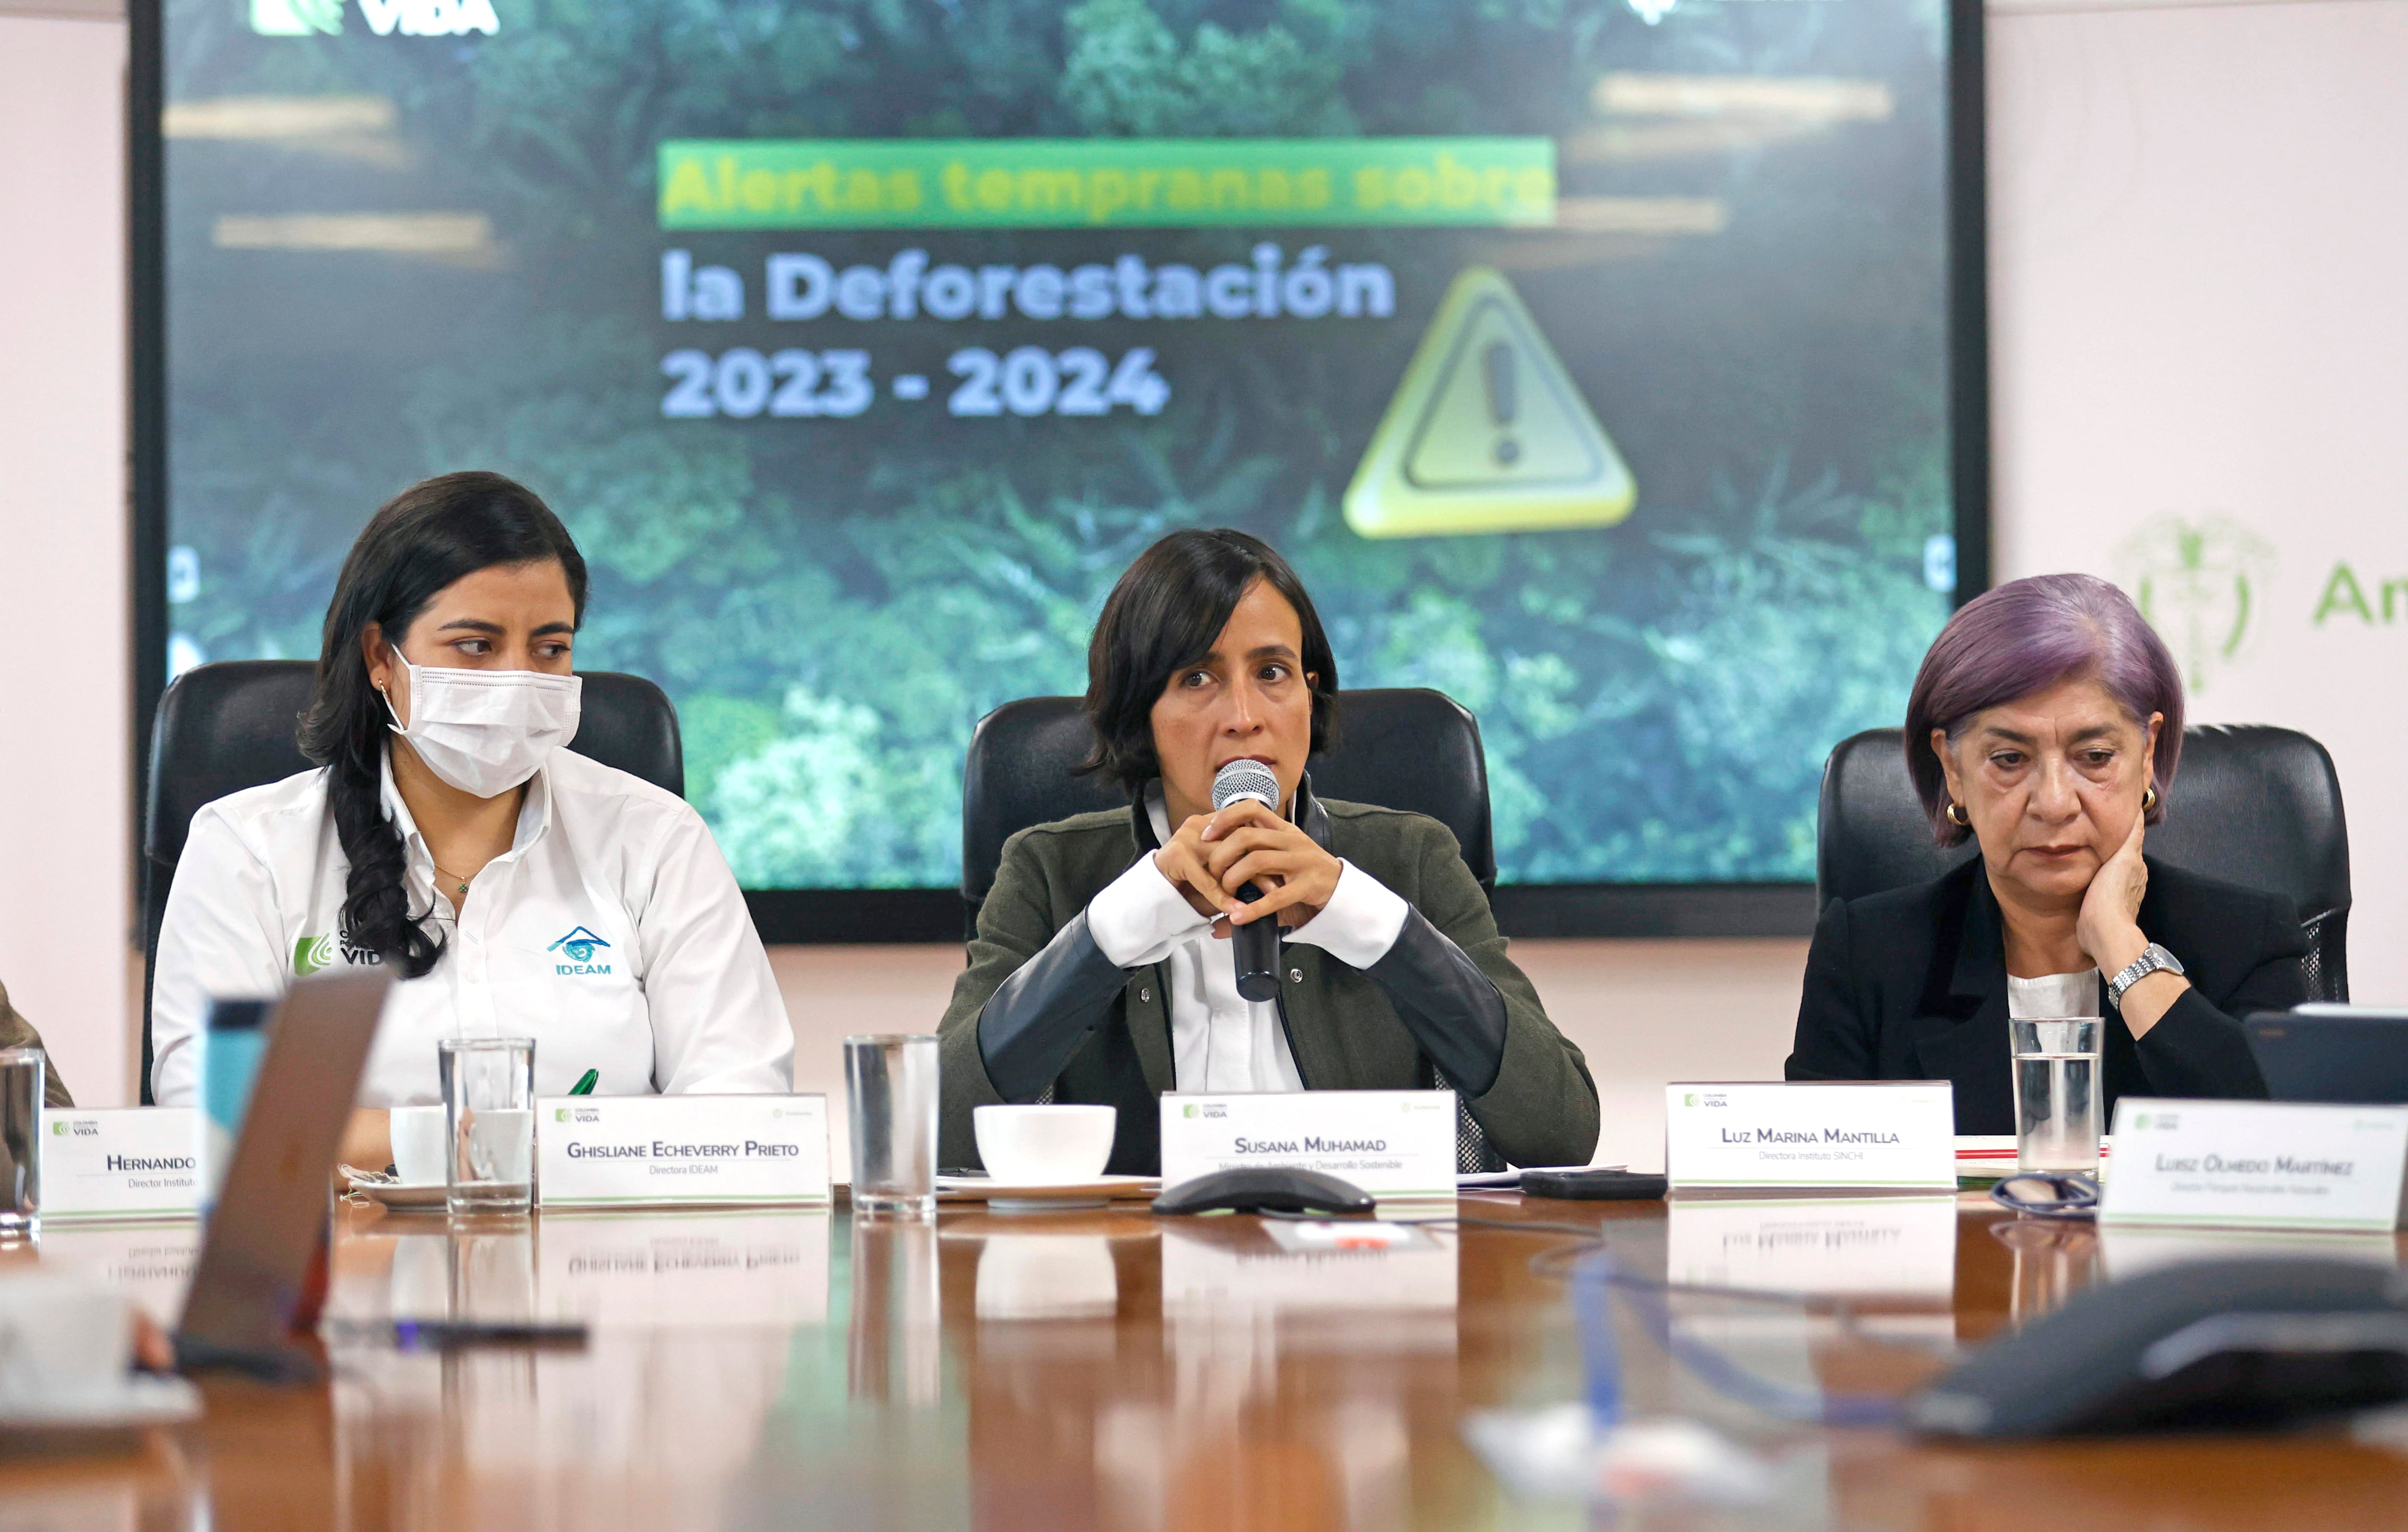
892, 1084
2057, 1093
489, 1111
22, 1073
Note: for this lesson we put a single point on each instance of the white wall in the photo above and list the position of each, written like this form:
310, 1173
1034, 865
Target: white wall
65, 751
2202, 363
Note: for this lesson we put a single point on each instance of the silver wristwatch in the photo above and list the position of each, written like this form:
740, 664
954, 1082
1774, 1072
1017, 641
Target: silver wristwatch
2154, 959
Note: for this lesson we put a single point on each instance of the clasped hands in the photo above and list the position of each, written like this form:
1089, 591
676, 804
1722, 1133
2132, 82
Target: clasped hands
1214, 855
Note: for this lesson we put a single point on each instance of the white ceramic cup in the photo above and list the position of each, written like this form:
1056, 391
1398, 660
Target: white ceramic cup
63, 1337
1043, 1146
421, 1137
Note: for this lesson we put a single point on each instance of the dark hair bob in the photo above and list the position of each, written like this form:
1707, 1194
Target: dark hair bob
1163, 616
430, 535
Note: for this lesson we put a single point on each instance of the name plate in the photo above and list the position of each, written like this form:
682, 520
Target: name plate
1390, 1143
2257, 1164
626, 1150
121, 1162
1852, 1134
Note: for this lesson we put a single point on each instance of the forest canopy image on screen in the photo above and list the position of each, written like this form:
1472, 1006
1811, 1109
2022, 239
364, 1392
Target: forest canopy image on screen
1589, 358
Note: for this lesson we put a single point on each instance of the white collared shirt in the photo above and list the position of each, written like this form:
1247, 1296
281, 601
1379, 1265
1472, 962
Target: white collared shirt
611, 932
1219, 1040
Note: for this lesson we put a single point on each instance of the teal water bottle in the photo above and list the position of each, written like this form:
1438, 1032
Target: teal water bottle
232, 1045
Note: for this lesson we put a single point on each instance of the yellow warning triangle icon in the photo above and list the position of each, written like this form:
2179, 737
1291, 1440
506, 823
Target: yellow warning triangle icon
1487, 432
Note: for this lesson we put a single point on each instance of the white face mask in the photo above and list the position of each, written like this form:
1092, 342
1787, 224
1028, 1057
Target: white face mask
486, 731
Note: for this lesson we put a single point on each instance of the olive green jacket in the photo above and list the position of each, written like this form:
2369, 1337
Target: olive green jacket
1343, 1029
16, 1032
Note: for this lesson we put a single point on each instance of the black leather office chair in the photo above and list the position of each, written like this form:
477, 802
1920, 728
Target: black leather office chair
1401, 747
2251, 803
224, 727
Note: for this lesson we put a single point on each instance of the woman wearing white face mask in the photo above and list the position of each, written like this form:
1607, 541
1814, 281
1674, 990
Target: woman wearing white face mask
522, 889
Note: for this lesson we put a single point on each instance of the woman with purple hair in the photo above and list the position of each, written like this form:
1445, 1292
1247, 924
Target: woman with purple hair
2045, 725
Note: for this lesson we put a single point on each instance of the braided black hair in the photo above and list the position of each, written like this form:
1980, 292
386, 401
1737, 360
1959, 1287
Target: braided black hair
422, 540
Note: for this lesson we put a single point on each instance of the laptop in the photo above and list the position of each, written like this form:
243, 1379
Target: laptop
2357, 1054
272, 1211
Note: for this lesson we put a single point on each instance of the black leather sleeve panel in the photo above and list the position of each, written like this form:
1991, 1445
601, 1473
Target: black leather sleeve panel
1450, 1006
1038, 1018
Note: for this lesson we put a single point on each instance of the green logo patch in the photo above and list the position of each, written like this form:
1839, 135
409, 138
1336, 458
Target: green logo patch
311, 953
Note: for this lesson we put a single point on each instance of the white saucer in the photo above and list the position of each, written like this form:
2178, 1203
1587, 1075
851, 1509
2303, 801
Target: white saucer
1024, 1197
122, 1404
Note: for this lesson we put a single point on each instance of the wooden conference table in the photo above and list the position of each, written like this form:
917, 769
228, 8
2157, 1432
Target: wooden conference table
1105, 1369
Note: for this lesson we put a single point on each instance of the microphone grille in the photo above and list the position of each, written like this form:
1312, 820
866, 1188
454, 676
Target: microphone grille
1245, 779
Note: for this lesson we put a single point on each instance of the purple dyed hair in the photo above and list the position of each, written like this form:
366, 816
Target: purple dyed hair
2027, 636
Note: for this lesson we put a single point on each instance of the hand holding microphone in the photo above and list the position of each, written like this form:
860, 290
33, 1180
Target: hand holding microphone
1246, 863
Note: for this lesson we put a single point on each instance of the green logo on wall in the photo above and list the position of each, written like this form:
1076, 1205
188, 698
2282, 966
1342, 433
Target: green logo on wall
2200, 584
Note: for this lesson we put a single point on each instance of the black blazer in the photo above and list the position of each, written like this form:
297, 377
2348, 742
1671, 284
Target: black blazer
1911, 983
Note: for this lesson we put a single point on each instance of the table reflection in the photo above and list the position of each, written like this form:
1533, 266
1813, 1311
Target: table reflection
659, 1270
1823, 1297
152, 1262
691, 1315
1126, 1372
1898, 1246
2053, 1259
895, 1355
1047, 1276
2127, 1251
1107, 1368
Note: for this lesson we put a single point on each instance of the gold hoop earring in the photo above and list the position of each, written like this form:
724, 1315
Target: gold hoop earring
2148, 798
1955, 812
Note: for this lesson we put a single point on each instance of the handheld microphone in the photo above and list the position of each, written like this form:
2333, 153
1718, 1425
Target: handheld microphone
1257, 944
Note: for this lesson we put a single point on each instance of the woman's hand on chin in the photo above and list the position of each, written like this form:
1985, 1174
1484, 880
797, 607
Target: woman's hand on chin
2109, 925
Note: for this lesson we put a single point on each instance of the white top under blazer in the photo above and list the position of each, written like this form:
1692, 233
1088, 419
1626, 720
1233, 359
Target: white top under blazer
1219, 1040
611, 932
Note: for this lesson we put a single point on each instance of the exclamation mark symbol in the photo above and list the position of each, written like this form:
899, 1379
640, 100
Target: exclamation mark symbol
1497, 369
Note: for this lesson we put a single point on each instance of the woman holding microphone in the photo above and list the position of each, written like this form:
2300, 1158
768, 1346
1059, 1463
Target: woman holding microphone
1103, 969
517, 888
2045, 725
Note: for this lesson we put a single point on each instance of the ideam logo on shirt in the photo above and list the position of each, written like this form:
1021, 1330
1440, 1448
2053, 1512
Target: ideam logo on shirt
579, 947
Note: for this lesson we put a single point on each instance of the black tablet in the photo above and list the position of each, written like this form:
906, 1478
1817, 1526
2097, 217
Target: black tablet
2327, 1053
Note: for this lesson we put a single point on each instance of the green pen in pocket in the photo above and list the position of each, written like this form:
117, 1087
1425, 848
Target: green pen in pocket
586, 1083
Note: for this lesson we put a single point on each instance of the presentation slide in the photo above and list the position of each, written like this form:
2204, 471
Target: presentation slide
1589, 358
